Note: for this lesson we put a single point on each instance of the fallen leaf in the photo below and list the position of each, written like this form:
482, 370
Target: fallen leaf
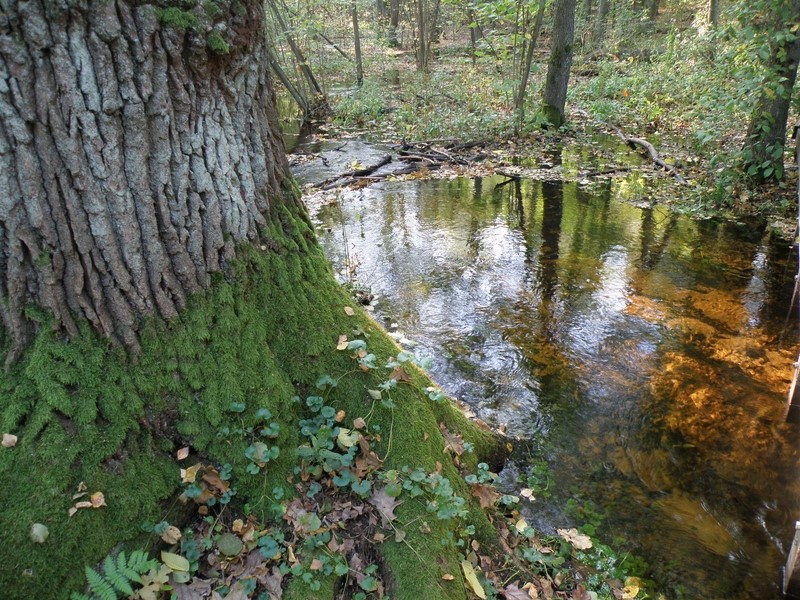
171, 535
342, 343
399, 374
9, 440
176, 562
385, 505
349, 311
82, 486
631, 589
97, 500
578, 540
374, 394
359, 423
190, 474
472, 579
453, 443
39, 533
182, 453
316, 565
485, 494
346, 438
580, 593
521, 525
340, 415
448, 577
512, 592
399, 535
237, 526
527, 493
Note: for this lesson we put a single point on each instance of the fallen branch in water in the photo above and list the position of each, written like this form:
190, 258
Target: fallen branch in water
654, 156
332, 182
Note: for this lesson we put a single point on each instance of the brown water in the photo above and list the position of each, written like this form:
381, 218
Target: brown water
648, 353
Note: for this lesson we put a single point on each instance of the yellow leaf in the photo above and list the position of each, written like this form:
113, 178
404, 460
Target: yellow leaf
472, 579
347, 439
171, 535
629, 592
97, 500
174, 561
342, 343
349, 311
521, 525
190, 474
578, 540
237, 526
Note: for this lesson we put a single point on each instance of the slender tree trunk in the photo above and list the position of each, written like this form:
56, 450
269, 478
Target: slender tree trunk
357, 44
766, 135
652, 11
558, 67
422, 36
287, 83
133, 161
526, 67
380, 9
394, 22
603, 9
713, 12
302, 63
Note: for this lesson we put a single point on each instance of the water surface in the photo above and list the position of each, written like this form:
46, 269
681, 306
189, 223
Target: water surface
650, 353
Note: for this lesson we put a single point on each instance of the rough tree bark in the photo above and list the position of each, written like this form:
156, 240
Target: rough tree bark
766, 134
133, 160
558, 67
713, 12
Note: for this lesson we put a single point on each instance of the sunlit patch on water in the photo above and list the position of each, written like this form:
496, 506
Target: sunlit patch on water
649, 351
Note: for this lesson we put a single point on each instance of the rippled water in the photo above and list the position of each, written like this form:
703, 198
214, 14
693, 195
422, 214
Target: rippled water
649, 352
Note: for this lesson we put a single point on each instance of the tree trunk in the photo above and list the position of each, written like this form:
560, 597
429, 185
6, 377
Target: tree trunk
422, 37
357, 44
766, 134
394, 22
599, 34
713, 12
128, 172
652, 11
526, 67
558, 67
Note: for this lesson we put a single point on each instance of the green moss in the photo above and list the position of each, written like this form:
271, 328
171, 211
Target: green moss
84, 411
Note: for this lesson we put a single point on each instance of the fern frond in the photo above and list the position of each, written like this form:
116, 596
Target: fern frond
117, 578
140, 562
99, 586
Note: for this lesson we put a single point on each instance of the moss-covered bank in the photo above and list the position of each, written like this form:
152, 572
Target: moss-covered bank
86, 412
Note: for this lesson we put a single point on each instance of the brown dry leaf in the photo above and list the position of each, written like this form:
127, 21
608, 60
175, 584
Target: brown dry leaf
211, 477
399, 535
485, 494
171, 535
379, 537
197, 589
273, 584
341, 344
340, 416
359, 423
237, 526
399, 373
385, 505
512, 592
316, 565
182, 453
580, 593
448, 577
9, 440
97, 499
533, 593
453, 443
82, 486
349, 311
578, 540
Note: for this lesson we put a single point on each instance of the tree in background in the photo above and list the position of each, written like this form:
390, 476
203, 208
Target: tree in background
766, 135
558, 67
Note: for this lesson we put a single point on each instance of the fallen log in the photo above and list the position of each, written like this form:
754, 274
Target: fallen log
654, 156
368, 170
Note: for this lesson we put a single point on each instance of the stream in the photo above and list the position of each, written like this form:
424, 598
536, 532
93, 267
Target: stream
642, 356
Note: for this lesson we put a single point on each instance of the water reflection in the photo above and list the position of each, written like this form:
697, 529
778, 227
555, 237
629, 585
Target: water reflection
643, 346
